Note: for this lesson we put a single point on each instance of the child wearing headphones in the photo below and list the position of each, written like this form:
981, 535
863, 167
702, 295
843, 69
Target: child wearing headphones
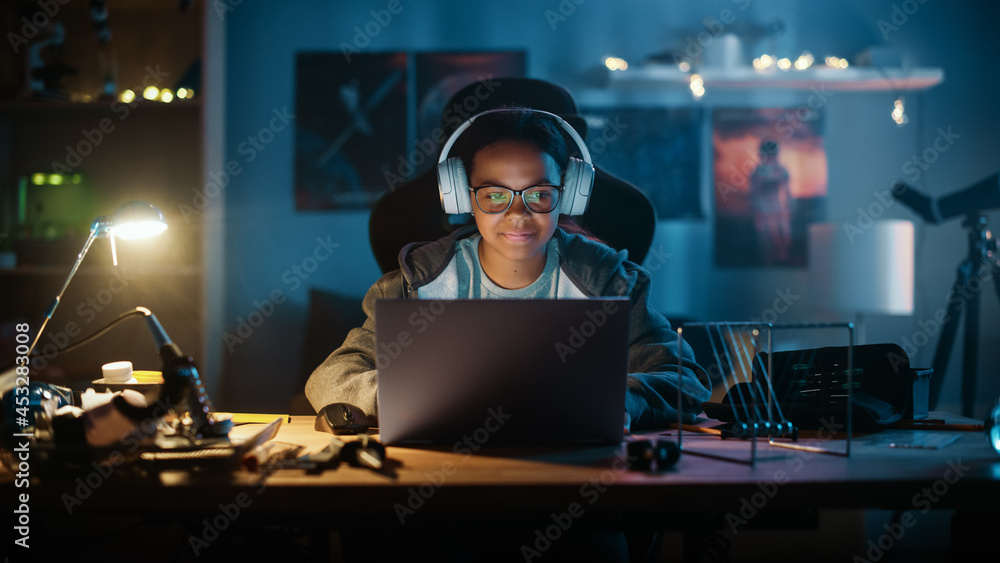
512, 169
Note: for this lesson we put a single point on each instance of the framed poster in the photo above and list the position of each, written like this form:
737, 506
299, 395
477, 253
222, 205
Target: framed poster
439, 76
350, 118
655, 148
770, 182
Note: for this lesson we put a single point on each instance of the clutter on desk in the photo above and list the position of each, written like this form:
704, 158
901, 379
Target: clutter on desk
70, 430
811, 386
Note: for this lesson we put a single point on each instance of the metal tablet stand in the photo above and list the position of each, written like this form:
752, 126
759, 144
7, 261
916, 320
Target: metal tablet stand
741, 360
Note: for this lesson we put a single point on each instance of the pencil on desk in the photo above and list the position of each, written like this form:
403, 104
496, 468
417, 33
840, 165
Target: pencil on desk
938, 426
254, 417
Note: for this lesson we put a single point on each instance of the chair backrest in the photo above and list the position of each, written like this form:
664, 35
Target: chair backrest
619, 213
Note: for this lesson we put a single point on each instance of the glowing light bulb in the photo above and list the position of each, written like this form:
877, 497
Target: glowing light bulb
166, 96
38, 179
899, 112
615, 63
126, 96
784, 64
804, 61
151, 92
763, 62
697, 86
183, 93
684, 66
55, 179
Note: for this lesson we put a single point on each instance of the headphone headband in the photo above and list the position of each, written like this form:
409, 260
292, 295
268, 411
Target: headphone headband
567, 128
578, 178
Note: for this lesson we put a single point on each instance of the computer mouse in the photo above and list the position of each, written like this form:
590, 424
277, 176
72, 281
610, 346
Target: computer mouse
341, 418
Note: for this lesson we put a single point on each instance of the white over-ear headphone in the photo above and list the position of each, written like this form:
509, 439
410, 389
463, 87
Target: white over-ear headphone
453, 183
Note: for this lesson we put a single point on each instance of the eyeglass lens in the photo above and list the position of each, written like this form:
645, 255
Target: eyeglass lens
538, 199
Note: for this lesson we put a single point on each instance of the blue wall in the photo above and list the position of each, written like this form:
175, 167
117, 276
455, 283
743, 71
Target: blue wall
266, 237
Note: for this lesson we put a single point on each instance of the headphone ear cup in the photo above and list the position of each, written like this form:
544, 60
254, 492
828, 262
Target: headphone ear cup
578, 182
453, 186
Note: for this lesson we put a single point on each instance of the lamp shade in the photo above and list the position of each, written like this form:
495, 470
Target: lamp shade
137, 219
859, 270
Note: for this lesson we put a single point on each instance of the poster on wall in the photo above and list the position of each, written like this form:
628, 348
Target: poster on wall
361, 130
439, 76
350, 119
657, 149
770, 183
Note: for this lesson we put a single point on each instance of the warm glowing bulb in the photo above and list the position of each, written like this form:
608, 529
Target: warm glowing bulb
38, 179
804, 61
697, 85
784, 64
899, 112
842, 63
55, 179
151, 92
763, 62
166, 96
126, 96
182, 93
684, 66
615, 63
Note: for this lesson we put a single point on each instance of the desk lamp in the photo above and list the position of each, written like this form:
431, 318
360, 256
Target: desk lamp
132, 220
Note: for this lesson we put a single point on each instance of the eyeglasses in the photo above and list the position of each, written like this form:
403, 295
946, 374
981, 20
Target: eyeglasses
538, 199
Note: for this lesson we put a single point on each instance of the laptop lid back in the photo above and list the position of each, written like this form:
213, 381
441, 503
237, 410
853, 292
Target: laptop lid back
470, 373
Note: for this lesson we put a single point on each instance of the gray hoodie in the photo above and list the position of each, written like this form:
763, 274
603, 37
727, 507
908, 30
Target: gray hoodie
348, 375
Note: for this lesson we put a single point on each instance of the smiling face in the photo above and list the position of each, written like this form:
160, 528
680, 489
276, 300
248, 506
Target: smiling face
512, 250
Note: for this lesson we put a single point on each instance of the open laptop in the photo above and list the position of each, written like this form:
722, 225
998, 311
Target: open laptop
467, 373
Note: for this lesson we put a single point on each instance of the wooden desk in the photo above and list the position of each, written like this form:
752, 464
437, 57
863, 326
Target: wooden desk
596, 482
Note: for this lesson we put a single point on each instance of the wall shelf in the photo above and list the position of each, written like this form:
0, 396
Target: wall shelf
860, 79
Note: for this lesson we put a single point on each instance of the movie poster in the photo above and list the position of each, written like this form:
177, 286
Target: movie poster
657, 149
439, 76
770, 183
350, 119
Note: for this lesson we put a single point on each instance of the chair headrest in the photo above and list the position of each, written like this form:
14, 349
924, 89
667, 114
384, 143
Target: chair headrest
523, 92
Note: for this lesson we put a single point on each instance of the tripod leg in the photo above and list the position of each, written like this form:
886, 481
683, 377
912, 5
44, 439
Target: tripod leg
956, 303
970, 354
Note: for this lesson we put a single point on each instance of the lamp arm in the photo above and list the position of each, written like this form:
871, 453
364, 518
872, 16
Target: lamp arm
97, 229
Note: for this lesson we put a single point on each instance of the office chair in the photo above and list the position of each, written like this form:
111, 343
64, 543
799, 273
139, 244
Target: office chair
619, 214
